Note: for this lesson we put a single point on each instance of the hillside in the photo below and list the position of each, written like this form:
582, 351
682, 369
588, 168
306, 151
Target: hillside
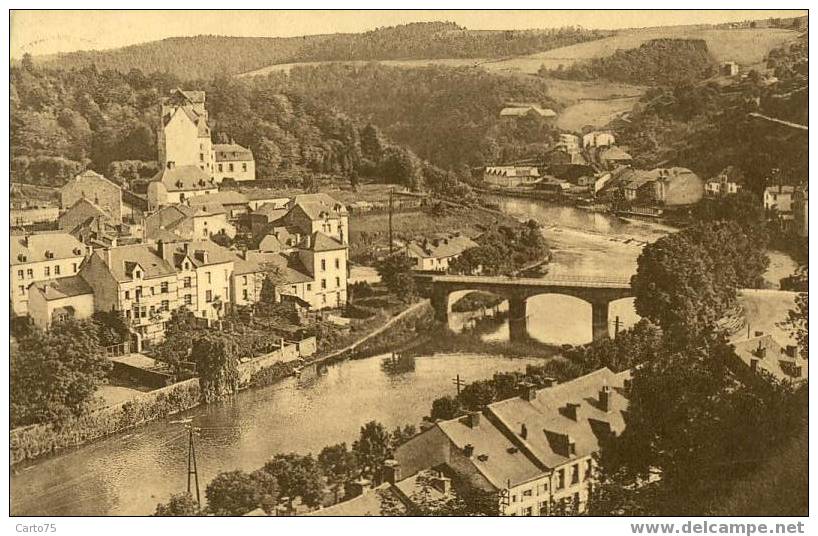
664, 62
205, 56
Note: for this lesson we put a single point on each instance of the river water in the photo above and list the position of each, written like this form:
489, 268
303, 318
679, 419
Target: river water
127, 474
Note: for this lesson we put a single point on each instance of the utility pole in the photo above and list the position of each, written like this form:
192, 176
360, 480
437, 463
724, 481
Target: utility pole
191, 461
616, 327
459, 383
391, 247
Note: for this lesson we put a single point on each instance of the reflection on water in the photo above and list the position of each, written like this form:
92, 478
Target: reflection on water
130, 473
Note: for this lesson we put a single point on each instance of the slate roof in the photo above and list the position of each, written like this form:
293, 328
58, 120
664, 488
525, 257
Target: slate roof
194, 250
33, 248
548, 424
225, 197
125, 258
321, 242
184, 178
64, 287
292, 271
441, 247
495, 457
773, 359
232, 152
316, 205
368, 504
614, 153
271, 211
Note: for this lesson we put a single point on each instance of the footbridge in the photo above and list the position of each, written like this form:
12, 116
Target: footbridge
598, 291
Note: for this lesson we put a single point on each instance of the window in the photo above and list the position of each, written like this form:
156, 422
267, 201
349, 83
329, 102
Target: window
75, 267
128, 314
186, 282
589, 466
138, 292
187, 266
323, 284
323, 265
143, 312
57, 270
528, 493
338, 282
221, 167
47, 271
514, 498
153, 310
528, 512
244, 294
165, 305
137, 274
20, 274
22, 290
544, 508
244, 167
164, 287
127, 294
188, 299
575, 473
323, 298
337, 264
153, 291
309, 286
230, 168
201, 157
295, 289
561, 479
244, 280
30, 272
209, 296
209, 279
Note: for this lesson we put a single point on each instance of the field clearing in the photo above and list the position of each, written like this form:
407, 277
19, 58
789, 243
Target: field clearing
594, 113
746, 46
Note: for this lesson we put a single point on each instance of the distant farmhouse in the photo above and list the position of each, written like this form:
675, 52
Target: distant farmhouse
514, 110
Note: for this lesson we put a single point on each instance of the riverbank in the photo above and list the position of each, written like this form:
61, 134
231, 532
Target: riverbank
35, 441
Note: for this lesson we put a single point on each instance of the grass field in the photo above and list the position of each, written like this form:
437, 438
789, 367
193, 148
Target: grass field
745, 46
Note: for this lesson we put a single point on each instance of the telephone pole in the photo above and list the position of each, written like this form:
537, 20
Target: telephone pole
459, 383
391, 246
191, 461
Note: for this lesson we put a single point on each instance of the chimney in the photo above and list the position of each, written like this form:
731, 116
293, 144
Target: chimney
108, 257
571, 411
761, 351
753, 364
468, 450
528, 391
759, 333
549, 382
391, 471
171, 164
572, 446
165, 250
473, 419
605, 398
791, 350
524, 431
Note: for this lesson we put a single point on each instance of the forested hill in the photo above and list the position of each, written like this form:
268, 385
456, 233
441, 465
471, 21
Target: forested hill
206, 56
658, 62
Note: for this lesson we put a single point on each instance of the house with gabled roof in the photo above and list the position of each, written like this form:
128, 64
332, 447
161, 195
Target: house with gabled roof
174, 184
535, 450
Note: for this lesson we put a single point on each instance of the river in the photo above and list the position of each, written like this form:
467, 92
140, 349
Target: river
127, 474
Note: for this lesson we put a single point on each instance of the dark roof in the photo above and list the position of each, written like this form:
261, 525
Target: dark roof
64, 287
232, 152
184, 178
322, 242
44, 246
226, 197
317, 206
124, 259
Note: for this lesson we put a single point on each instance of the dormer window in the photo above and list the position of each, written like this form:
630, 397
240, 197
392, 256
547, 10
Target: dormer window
22, 258
137, 274
178, 184
187, 265
49, 254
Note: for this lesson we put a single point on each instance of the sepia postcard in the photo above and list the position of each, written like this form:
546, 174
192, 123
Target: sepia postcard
409, 263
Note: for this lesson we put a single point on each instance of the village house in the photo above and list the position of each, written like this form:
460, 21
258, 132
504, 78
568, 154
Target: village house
234, 203
568, 142
57, 300
727, 182
598, 138
233, 162
762, 353
436, 253
136, 281
779, 199
174, 184
663, 186
511, 176
611, 157
41, 257
728, 68
535, 450
96, 189
182, 222
258, 197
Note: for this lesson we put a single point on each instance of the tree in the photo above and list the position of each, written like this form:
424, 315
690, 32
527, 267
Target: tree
402, 435
372, 146
56, 373
445, 408
477, 395
798, 323
268, 290
234, 493
372, 447
179, 504
216, 356
297, 476
339, 464
396, 273
179, 334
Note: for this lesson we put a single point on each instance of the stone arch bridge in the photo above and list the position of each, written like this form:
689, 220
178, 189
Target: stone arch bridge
598, 291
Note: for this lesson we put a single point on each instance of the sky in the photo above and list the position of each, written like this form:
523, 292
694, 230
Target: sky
49, 32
